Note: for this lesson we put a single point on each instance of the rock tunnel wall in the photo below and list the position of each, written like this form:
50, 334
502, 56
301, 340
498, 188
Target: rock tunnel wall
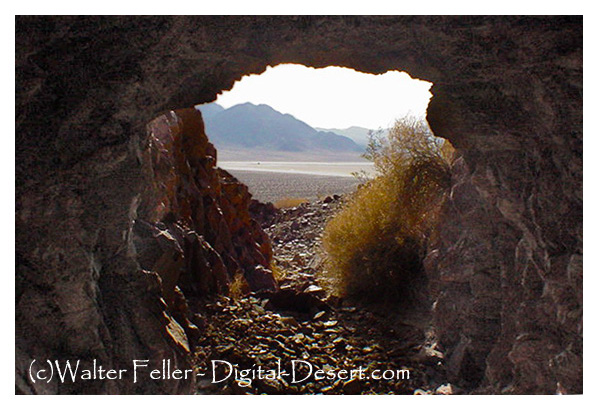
506, 270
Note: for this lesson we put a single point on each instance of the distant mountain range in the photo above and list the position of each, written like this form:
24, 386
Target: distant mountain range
260, 127
360, 135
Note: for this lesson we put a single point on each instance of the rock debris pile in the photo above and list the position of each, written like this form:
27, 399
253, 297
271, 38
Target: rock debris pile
300, 324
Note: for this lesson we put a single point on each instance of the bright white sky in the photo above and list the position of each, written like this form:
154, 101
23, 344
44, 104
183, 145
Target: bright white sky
333, 97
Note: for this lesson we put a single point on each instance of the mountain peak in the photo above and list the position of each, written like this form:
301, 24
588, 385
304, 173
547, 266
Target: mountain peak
259, 126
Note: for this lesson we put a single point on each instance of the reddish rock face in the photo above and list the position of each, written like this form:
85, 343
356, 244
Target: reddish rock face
194, 228
203, 209
506, 272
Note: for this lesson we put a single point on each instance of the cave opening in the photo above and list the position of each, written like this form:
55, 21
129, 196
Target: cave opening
301, 137
251, 203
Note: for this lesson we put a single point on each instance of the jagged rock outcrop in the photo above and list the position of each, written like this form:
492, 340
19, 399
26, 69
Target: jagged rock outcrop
191, 236
507, 271
194, 227
197, 213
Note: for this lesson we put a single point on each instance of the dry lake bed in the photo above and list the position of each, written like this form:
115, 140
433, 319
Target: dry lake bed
272, 181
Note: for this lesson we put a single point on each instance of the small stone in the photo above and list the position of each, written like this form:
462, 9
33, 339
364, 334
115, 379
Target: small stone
290, 321
319, 315
445, 389
258, 309
352, 387
313, 289
339, 343
298, 259
272, 387
326, 389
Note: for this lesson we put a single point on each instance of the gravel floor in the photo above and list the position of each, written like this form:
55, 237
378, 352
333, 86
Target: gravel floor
273, 186
300, 324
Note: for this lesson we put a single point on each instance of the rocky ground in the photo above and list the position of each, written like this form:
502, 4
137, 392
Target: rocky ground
301, 321
270, 186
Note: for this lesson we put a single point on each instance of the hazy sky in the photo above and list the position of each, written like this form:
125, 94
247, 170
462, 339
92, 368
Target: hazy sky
332, 97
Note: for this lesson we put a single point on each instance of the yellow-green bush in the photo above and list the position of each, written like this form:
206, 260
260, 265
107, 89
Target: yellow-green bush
374, 245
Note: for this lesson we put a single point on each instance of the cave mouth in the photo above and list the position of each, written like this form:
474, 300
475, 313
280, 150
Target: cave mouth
282, 157
309, 122
260, 120
222, 243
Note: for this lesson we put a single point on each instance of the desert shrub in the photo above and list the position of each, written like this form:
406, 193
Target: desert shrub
238, 287
288, 202
374, 245
277, 272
